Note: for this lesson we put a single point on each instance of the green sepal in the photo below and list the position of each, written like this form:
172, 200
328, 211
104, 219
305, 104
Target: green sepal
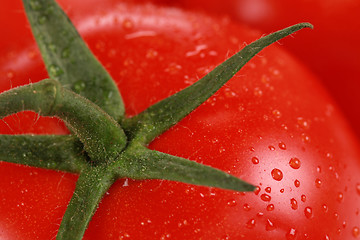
102, 136
68, 59
92, 184
57, 152
159, 117
144, 163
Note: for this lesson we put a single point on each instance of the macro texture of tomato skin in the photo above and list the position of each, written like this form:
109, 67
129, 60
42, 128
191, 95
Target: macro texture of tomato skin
272, 125
331, 50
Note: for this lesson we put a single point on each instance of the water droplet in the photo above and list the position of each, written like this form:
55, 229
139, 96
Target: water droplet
303, 123
295, 163
276, 113
255, 160
318, 169
272, 148
305, 138
318, 183
340, 197
277, 174
308, 212
268, 189
325, 208
327, 237
251, 223
358, 188
270, 207
282, 146
257, 190
258, 92
303, 198
173, 68
269, 225
294, 204
282, 190
246, 207
151, 54
356, 232
297, 183
79, 86
291, 234
55, 71
265, 197
252, 149
232, 203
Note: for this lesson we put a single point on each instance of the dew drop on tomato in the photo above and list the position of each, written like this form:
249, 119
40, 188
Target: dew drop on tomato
246, 207
257, 190
251, 223
303, 123
255, 160
295, 163
276, 113
269, 225
291, 234
272, 148
303, 198
356, 232
282, 146
294, 204
340, 197
318, 183
232, 203
358, 188
265, 197
308, 212
297, 183
305, 138
270, 207
277, 174
268, 189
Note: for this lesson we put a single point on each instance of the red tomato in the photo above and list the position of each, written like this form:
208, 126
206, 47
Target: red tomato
272, 125
332, 50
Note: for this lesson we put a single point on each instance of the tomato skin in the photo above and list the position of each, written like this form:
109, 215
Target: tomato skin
274, 110
331, 50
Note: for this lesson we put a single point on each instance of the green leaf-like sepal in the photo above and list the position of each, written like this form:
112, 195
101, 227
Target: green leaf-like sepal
92, 184
101, 135
158, 118
57, 152
68, 59
151, 164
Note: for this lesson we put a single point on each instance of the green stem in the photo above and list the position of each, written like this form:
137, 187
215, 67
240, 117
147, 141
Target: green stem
158, 118
68, 59
92, 184
101, 135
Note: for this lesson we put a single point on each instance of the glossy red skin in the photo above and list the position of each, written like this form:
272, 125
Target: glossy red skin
332, 50
274, 110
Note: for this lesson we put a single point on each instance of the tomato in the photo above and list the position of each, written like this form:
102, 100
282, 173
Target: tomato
331, 50
272, 125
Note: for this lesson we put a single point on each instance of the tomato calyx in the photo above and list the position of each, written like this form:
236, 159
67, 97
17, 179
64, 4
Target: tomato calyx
106, 145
